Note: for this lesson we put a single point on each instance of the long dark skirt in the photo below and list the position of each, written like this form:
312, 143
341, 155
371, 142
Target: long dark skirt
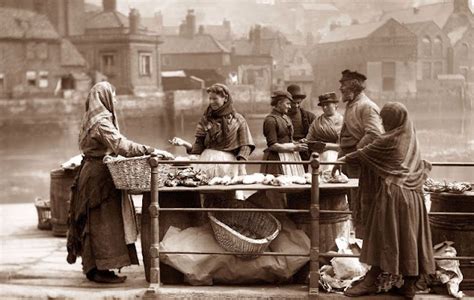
398, 236
96, 227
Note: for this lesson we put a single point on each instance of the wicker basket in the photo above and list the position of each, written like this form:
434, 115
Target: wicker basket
44, 214
248, 232
134, 173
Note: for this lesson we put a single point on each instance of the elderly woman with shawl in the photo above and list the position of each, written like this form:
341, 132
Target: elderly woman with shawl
222, 134
324, 131
96, 225
397, 233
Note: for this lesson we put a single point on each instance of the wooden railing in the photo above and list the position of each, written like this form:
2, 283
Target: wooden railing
314, 211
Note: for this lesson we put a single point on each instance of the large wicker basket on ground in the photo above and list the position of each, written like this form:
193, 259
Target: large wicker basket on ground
248, 232
134, 173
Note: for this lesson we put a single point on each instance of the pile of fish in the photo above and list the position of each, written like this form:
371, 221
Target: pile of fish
434, 186
186, 177
259, 178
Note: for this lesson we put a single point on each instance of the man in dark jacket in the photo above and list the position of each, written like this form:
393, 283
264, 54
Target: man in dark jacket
300, 117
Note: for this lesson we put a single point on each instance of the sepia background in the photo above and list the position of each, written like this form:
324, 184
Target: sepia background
161, 55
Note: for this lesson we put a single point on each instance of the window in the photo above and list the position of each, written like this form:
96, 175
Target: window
30, 50
426, 70
464, 53
437, 47
42, 51
437, 69
166, 60
43, 79
426, 46
145, 64
388, 75
108, 63
2, 81
31, 78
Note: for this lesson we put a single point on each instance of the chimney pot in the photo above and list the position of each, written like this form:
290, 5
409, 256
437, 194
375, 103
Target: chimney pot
109, 5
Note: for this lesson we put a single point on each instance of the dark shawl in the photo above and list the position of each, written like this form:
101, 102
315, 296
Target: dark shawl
224, 129
395, 155
327, 129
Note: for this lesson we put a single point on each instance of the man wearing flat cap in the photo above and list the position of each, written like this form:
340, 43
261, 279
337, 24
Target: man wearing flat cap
300, 118
361, 125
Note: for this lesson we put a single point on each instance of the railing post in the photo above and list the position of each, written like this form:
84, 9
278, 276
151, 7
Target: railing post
155, 223
314, 210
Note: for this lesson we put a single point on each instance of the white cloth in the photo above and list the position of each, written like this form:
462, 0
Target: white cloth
329, 155
290, 169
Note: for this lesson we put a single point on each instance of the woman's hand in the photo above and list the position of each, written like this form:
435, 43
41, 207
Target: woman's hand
300, 147
337, 168
163, 153
176, 141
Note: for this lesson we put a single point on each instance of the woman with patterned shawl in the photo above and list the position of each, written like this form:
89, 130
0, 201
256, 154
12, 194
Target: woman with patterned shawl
326, 128
96, 224
397, 233
222, 134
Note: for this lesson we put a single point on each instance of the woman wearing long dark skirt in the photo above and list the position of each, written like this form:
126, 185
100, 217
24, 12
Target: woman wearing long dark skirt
96, 226
398, 237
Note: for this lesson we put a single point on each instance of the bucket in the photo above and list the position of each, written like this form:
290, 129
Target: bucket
459, 229
331, 226
60, 193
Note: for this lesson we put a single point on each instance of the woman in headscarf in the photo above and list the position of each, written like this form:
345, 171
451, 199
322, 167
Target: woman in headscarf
96, 225
324, 131
222, 134
278, 130
397, 233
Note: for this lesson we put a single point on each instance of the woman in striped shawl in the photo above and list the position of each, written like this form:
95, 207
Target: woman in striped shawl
397, 233
222, 134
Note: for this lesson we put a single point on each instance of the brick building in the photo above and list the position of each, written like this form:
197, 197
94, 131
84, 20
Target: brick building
35, 59
119, 47
385, 51
197, 53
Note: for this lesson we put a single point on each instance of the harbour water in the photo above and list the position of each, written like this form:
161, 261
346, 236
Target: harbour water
28, 152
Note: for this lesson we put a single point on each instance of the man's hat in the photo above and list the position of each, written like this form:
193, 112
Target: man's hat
328, 98
278, 95
349, 75
296, 93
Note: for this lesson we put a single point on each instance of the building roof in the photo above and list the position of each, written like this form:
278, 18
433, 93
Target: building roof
108, 19
69, 55
418, 27
243, 47
219, 32
199, 43
352, 32
21, 24
456, 34
438, 13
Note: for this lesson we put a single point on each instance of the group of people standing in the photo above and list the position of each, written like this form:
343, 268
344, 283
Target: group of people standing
379, 147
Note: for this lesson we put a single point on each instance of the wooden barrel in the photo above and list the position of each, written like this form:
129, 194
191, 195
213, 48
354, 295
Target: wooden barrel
331, 226
458, 229
60, 192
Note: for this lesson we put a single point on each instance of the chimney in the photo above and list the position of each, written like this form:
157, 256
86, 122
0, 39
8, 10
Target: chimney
416, 10
201, 29
461, 6
257, 37
226, 24
134, 20
159, 20
182, 29
190, 23
109, 5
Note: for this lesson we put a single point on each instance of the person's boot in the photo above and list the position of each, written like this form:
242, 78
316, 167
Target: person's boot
104, 276
365, 287
408, 290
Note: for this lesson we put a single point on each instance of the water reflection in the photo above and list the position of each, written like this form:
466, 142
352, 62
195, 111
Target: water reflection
28, 152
